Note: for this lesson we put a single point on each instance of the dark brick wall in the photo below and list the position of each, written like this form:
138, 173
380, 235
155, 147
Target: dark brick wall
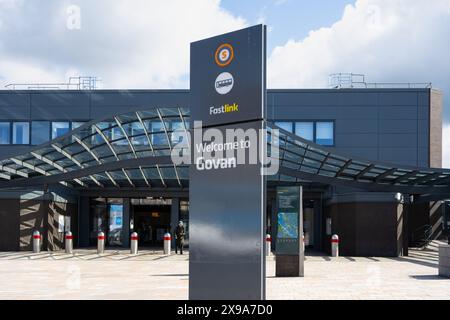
20, 218
366, 229
9, 225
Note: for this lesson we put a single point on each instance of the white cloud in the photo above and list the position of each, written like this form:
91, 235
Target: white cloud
387, 40
129, 44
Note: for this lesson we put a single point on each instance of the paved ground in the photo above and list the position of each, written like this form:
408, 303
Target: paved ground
150, 275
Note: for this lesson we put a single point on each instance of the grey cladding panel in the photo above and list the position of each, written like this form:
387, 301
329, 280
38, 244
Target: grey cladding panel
324, 112
423, 112
424, 98
60, 106
307, 98
105, 111
398, 112
423, 159
63, 99
364, 153
424, 127
362, 140
14, 106
398, 126
398, 98
357, 99
423, 140
75, 112
398, 140
356, 127
14, 100
405, 156
14, 113
136, 99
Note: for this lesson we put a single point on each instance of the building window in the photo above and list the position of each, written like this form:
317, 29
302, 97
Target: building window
285, 126
5, 133
60, 129
158, 134
305, 130
178, 133
40, 132
325, 133
77, 124
320, 132
21, 133
139, 138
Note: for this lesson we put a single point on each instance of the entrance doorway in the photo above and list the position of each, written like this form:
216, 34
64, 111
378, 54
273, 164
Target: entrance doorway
308, 223
151, 219
106, 215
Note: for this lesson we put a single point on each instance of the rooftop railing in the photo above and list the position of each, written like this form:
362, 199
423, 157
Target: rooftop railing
75, 83
355, 80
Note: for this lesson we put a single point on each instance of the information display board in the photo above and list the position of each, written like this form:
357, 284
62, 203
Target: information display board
289, 236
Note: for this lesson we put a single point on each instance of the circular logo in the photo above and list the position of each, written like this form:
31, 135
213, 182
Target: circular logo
224, 83
224, 55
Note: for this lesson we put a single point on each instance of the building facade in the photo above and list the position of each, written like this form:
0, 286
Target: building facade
399, 126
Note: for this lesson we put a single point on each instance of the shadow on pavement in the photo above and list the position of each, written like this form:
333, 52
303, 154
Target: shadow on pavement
428, 277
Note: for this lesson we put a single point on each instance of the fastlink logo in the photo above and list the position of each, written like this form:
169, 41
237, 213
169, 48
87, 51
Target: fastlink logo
227, 108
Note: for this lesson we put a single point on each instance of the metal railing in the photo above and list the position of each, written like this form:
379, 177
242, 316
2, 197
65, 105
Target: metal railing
356, 80
75, 83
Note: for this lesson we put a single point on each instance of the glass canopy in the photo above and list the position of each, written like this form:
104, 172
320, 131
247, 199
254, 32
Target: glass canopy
133, 150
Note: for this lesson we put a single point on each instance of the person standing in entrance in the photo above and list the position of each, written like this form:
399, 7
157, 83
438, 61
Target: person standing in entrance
179, 237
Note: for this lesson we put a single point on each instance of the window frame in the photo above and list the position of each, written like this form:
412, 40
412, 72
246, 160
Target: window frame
60, 121
333, 134
49, 131
9, 122
314, 121
12, 132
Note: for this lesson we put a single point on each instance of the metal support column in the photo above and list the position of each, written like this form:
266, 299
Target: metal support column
174, 218
83, 222
126, 223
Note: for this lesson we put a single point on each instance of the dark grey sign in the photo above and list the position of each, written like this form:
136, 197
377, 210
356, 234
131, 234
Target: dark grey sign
226, 257
228, 77
227, 197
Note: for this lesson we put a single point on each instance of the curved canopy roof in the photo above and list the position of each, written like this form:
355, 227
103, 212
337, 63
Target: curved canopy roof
133, 150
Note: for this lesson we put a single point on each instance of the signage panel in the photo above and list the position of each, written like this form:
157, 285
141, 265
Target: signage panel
226, 253
226, 190
228, 77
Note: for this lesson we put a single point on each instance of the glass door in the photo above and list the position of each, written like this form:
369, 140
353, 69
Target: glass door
98, 221
115, 222
106, 215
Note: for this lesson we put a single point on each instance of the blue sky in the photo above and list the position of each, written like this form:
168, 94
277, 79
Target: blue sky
288, 19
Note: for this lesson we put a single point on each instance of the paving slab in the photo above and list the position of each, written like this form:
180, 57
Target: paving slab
117, 274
